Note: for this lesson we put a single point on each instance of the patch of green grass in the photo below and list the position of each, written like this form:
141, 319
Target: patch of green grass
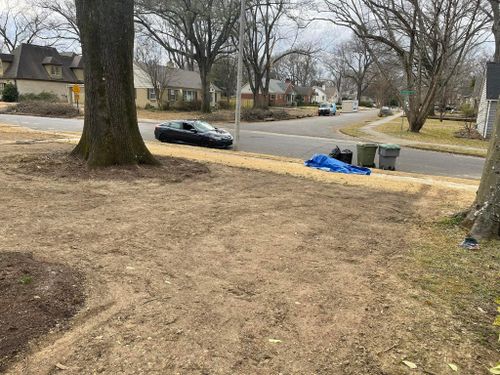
459, 280
433, 131
26, 280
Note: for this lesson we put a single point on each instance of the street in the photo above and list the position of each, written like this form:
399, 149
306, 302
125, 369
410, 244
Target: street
299, 138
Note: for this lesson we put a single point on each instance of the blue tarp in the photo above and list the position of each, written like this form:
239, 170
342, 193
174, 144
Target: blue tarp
326, 163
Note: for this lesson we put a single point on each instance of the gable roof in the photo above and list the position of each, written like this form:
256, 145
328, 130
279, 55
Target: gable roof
28, 63
304, 90
178, 78
492, 81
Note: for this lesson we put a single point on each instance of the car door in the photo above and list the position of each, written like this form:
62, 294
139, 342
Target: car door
189, 133
172, 131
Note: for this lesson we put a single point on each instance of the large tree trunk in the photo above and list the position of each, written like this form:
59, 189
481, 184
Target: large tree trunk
205, 89
110, 133
484, 215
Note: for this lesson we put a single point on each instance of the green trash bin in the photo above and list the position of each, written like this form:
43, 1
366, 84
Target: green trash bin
387, 155
366, 154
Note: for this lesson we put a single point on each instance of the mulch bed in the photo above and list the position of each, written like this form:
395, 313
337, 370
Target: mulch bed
37, 297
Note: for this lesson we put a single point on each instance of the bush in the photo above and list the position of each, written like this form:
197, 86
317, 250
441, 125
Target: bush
10, 93
223, 104
150, 107
255, 114
182, 105
258, 114
364, 103
468, 110
43, 96
40, 108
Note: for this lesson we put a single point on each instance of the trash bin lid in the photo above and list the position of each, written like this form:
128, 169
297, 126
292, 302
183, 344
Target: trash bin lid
367, 145
390, 146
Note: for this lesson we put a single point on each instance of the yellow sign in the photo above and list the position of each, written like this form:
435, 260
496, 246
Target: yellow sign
76, 89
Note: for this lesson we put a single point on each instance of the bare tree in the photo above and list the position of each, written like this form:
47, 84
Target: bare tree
300, 69
359, 65
19, 24
150, 60
424, 35
196, 29
336, 68
62, 20
110, 133
484, 216
261, 38
491, 9
224, 75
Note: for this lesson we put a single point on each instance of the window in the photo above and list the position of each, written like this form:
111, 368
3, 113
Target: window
2, 86
187, 126
273, 96
188, 95
151, 94
175, 125
55, 71
172, 95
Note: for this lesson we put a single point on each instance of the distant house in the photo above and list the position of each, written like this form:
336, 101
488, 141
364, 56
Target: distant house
304, 94
183, 85
489, 100
34, 69
280, 93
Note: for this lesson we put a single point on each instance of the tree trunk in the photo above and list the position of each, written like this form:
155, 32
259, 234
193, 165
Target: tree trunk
484, 215
205, 89
110, 133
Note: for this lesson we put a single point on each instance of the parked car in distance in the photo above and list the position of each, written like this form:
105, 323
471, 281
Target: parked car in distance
327, 109
385, 111
193, 132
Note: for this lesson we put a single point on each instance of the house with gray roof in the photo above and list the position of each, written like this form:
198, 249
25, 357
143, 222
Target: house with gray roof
34, 69
489, 100
280, 93
182, 85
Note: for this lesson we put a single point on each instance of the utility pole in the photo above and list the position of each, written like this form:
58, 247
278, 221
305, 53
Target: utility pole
237, 115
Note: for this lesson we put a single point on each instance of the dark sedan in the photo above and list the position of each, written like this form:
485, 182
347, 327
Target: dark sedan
193, 132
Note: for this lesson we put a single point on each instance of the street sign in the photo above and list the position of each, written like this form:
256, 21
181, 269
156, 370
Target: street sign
76, 89
407, 92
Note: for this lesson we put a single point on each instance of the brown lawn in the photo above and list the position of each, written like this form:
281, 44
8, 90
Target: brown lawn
197, 268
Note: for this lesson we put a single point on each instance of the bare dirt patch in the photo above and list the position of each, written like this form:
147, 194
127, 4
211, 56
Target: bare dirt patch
60, 164
249, 272
37, 297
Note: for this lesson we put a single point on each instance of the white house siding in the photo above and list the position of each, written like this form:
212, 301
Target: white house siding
490, 121
482, 111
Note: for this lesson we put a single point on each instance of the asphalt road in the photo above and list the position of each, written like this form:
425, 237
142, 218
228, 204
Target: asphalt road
297, 138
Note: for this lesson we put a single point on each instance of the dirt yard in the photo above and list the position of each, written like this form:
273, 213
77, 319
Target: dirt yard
198, 268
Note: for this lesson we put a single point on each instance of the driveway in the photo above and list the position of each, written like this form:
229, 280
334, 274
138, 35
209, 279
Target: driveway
297, 138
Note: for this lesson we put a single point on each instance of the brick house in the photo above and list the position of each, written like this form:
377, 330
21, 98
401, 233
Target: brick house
281, 93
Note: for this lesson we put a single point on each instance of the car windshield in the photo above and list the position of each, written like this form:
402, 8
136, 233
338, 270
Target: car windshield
203, 126
324, 106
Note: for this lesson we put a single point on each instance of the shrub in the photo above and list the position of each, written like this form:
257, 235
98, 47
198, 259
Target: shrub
182, 105
40, 108
468, 110
365, 103
149, 107
43, 96
223, 104
10, 93
258, 114
255, 114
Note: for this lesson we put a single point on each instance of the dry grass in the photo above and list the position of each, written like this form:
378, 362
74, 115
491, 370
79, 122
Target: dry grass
433, 131
385, 181
196, 274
